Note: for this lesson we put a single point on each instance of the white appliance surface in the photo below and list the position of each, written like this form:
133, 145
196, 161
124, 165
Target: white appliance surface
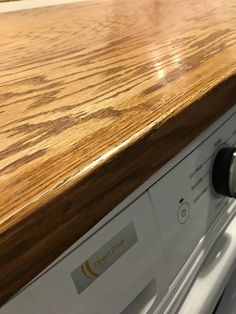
183, 199
228, 301
213, 277
133, 272
170, 247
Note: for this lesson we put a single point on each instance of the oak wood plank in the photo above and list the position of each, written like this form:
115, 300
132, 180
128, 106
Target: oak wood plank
94, 98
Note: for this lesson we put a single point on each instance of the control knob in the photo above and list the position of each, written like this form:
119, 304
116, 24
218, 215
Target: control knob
224, 172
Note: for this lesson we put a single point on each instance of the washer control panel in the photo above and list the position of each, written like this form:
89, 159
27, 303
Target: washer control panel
185, 199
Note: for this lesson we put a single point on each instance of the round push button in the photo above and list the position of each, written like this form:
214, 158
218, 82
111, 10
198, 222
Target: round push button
183, 213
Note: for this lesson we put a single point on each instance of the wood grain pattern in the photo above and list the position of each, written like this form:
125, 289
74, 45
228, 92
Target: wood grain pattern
94, 98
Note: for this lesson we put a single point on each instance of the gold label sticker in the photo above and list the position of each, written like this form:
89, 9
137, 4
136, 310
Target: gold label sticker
104, 258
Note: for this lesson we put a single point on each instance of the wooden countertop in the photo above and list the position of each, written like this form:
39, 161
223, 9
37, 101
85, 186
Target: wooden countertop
94, 98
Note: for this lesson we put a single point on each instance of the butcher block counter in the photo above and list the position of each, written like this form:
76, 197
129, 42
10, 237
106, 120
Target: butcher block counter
95, 97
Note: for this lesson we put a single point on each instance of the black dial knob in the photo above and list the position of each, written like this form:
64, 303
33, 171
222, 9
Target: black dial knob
224, 172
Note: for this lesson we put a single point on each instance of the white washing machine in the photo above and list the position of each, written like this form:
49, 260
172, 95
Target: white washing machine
170, 247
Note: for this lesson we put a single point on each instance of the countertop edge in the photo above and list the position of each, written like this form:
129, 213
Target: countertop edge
25, 250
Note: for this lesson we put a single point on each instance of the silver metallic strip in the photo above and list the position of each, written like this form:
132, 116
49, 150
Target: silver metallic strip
104, 257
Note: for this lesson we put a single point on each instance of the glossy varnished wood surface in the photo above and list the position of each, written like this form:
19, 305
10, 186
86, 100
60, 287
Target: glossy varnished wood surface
94, 98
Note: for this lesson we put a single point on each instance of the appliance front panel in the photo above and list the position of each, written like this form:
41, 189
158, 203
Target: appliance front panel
184, 201
119, 268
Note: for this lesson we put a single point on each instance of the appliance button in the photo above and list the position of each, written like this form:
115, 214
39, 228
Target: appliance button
183, 213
